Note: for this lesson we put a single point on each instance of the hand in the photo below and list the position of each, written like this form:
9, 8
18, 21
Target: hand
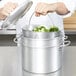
7, 9
45, 8
41, 9
2, 15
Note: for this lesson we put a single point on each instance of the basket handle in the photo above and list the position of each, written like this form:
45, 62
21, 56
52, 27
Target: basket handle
32, 17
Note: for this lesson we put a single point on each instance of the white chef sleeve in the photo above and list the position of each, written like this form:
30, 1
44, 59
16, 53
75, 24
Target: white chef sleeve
70, 5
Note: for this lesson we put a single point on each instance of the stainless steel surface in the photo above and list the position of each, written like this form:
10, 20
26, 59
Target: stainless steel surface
70, 32
40, 57
69, 64
58, 73
7, 31
43, 43
40, 35
69, 61
39, 60
10, 64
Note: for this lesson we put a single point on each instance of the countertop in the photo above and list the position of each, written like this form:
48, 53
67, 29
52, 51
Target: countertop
10, 63
69, 68
10, 57
13, 32
70, 32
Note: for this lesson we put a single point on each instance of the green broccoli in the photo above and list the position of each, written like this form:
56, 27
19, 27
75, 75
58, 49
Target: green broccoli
44, 29
54, 29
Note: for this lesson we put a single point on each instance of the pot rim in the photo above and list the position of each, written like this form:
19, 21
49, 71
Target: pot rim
43, 39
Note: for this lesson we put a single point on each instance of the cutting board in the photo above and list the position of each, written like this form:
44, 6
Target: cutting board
70, 22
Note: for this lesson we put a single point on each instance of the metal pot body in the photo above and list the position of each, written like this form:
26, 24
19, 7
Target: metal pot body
40, 56
42, 43
41, 35
57, 73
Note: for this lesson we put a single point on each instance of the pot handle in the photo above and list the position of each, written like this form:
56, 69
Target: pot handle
66, 43
15, 40
65, 37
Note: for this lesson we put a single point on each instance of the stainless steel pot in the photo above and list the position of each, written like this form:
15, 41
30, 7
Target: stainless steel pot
40, 35
42, 60
57, 73
43, 43
42, 54
42, 51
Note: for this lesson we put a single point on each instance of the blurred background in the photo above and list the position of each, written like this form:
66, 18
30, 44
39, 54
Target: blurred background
10, 61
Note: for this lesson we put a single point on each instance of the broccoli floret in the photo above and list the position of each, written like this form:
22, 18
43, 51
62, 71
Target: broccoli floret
54, 29
44, 29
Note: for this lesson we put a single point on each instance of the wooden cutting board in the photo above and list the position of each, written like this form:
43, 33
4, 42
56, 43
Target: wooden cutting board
70, 22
